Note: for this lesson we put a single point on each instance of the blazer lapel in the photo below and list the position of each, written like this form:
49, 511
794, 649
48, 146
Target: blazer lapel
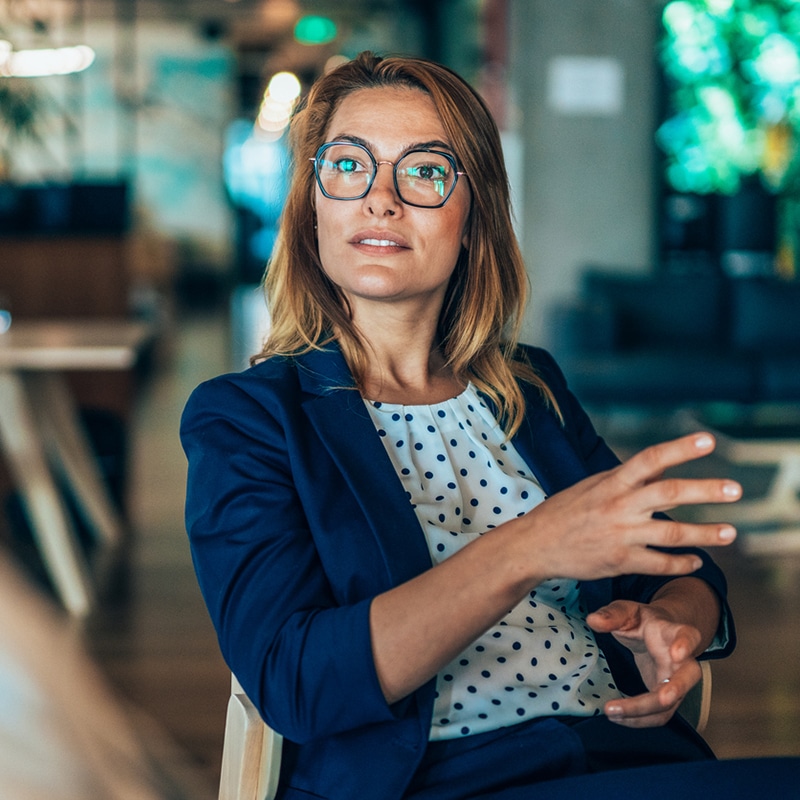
542, 442
340, 419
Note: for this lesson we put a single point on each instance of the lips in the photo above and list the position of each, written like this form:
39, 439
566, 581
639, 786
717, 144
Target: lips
374, 238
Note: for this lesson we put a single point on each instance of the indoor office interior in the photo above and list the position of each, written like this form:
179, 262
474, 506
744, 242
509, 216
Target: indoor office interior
143, 166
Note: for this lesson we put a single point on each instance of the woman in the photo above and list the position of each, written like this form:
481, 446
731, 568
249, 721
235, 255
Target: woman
424, 566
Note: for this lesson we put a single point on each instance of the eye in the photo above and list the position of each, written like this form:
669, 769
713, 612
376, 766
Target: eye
347, 165
428, 172
347, 159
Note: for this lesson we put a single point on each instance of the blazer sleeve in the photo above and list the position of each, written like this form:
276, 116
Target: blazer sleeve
597, 457
304, 660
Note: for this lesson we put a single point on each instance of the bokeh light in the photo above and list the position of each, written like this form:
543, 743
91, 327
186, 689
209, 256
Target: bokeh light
277, 105
733, 70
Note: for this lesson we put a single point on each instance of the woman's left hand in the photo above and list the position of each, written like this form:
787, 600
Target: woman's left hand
664, 652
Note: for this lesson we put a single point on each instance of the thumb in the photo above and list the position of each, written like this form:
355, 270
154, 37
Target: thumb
617, 616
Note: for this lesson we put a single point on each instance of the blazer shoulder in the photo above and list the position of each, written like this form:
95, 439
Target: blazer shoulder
271, 384
540, 359
274, 374
545, 366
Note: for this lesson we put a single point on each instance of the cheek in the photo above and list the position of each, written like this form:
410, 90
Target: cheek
460, 215
323, 246
459, 228
328, 245
325, 223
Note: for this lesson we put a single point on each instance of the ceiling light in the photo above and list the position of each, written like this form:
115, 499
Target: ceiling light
44, 62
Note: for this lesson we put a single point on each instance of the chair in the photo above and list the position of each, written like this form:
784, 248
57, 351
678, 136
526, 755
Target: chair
696, 706
251, 755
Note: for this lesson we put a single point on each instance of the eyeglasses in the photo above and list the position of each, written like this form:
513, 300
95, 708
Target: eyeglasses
423, 178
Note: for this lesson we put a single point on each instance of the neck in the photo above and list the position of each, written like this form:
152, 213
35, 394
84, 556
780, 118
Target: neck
404, 363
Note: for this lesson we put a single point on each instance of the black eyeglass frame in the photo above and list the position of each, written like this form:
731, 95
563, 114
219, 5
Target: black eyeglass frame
376, 164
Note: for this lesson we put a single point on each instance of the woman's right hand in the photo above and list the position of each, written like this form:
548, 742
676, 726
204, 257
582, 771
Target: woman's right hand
604, 525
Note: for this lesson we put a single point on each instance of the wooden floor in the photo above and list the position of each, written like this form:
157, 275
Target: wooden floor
153, 640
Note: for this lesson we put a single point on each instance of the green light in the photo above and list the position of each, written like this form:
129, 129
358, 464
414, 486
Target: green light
777, 60
315, 30
733, 71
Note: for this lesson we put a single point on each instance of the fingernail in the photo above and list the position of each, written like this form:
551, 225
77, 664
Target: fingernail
731, 490
614, 711
727, 534
703, 442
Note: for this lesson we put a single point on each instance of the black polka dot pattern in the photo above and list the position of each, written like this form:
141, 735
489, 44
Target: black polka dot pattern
459, 473
463, 478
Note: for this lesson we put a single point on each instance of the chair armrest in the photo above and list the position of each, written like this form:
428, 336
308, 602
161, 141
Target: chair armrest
696, 706
251, 754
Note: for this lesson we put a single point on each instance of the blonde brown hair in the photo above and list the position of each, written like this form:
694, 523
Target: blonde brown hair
480, 319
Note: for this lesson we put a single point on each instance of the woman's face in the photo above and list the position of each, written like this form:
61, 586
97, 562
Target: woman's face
379, 250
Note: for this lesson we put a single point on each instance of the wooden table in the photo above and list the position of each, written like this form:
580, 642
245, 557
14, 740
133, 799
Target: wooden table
42, 437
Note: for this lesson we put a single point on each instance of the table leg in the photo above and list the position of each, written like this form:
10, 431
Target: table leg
49, 518
72, 453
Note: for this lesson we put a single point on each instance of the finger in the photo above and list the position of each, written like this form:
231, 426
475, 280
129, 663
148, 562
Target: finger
663, 495
641, 711
671, 690
645, 710
640, 558
686, 641
672, 533
655, 720
656, 562
659, 704
653, 461
679, 682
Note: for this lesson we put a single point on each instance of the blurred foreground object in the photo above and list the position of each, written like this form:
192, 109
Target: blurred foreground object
63, 734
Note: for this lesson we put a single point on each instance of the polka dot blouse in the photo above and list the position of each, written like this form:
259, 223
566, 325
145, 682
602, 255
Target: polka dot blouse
463, 478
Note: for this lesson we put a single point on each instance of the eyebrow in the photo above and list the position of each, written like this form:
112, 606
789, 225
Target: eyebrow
433, 144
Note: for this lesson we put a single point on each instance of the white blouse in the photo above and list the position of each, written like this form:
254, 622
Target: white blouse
462, 477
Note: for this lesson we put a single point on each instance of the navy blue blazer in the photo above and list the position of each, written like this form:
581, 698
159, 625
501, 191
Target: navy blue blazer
297, 519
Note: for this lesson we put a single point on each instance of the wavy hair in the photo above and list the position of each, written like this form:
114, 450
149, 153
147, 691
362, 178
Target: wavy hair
479, 323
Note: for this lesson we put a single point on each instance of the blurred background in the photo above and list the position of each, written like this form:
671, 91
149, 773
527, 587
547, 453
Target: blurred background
652, 150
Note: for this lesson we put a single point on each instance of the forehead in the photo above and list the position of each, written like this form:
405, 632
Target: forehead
387, 116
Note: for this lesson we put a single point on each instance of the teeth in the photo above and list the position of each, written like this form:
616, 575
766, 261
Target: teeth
379, 242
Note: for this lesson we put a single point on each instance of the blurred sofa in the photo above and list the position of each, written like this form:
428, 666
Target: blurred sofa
670, 339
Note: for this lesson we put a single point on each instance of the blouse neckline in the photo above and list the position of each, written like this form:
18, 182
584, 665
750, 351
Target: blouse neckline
469, 392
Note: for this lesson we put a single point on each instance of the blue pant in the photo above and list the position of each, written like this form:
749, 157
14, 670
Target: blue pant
530, 753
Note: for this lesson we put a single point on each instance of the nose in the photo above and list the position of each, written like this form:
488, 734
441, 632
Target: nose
381, 200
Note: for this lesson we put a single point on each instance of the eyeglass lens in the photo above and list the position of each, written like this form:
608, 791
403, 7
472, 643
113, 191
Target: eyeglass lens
346, 172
